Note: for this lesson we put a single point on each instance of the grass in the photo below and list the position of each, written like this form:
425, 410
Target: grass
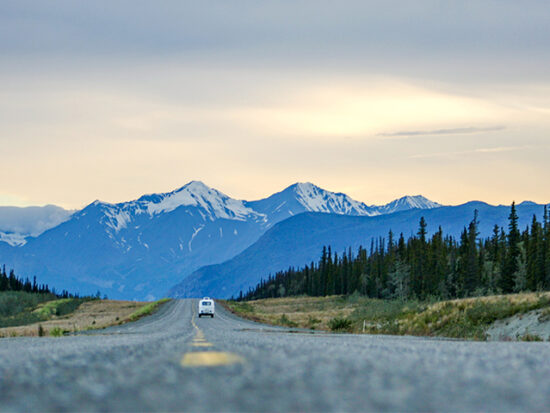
470, 318
57, 317
285, 321
21, 308
147, 309
465, 318
59, 307
242, 307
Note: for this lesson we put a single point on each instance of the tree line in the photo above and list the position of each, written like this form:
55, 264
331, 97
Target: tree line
439, 266
10, 282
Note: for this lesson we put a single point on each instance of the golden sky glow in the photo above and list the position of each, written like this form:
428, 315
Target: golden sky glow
252, 109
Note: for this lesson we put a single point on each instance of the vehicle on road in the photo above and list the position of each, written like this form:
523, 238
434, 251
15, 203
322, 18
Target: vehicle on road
206, 307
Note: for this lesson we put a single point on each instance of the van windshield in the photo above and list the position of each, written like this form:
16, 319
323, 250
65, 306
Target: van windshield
206, 303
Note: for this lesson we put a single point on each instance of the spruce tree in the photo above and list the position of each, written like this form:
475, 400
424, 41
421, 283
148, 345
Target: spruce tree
546, 248
470, 262
507, 282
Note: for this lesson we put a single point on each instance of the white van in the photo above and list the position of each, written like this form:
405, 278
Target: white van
206, 307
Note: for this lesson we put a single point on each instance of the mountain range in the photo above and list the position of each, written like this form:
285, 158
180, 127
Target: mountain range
140, 249
197, 241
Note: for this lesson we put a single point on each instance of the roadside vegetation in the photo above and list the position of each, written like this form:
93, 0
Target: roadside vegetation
58, 317
31, 309
147, 309
15, 306
20, 308
461, 318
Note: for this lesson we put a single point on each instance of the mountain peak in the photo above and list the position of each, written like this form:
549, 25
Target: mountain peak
304, 186
316, 199
409, 202
194, 186
196, 194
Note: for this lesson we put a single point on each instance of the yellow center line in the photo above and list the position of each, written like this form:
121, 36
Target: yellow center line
210, 359
202, 345
207, 358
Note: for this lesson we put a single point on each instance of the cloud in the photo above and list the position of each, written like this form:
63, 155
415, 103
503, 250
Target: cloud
498, 149
452, 131
129, 97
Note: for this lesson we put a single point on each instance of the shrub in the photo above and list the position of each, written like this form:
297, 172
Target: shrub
530, 337
312, 322
284, 320
56, 332
340, 324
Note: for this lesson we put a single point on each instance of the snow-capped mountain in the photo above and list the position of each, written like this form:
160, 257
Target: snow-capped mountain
210, 204
17, 224
404, 204
139, 249
306, 197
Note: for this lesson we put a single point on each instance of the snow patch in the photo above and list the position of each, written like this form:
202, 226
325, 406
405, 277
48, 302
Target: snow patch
117, 218
195, 232
15, 240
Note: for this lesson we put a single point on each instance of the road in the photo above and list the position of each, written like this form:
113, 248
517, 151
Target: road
174, 361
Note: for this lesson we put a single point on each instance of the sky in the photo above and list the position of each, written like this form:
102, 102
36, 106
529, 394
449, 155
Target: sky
114, 99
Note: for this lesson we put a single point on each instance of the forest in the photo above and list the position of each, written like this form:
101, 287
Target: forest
421, 267
11, 282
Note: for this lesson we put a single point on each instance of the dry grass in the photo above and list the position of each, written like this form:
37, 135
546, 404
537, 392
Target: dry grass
464, 318
89, 315
470, 318
305, 312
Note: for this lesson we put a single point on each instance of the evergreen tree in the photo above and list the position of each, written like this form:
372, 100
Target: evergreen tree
511, 266
471, 264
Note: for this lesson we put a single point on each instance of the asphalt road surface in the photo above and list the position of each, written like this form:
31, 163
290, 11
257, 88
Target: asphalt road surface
174, 361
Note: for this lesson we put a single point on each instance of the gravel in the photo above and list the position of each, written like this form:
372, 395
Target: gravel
515, 327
